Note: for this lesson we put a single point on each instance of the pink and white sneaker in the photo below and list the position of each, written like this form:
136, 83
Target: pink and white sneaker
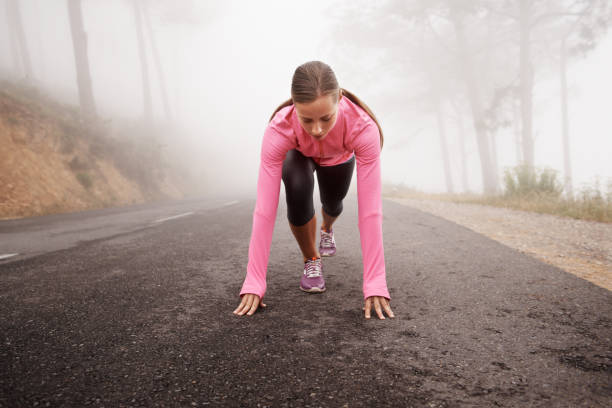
327, 246
312, 279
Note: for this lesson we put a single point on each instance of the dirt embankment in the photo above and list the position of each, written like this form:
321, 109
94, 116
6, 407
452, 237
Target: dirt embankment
52, 160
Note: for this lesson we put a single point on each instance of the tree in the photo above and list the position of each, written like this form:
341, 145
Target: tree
158, 66
19, 45
144, 66
581, 34
183, 13
526, 80
79, 42
489, 171
540, 23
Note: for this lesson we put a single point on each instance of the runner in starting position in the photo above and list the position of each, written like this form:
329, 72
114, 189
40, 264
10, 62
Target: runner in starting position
326, 129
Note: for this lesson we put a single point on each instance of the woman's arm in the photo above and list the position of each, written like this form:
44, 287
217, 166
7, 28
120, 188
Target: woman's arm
274, 147
367, 153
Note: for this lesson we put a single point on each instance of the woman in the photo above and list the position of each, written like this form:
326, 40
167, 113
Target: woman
322, 128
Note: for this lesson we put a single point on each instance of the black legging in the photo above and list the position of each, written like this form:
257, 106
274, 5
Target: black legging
334, 182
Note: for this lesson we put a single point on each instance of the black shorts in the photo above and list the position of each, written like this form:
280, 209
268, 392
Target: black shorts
334, 182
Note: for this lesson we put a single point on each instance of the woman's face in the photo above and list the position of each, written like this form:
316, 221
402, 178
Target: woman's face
318, 117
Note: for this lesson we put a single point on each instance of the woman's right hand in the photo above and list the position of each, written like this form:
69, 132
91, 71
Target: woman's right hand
249, 304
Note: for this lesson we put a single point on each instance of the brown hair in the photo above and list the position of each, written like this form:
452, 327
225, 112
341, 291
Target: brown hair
314, 79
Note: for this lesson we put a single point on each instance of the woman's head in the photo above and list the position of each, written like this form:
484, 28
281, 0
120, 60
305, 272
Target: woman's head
315, 94
312, 80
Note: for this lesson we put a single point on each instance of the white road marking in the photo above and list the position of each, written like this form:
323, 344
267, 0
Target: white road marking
174, 217
7, 256
231, 203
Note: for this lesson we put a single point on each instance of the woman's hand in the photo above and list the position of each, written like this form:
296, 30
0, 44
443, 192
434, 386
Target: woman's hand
250, 302
379, 303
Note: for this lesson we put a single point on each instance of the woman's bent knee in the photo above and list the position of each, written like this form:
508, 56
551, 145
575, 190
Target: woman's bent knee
298, 179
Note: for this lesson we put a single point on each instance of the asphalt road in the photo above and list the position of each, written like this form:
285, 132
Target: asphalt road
142, 316
28, 237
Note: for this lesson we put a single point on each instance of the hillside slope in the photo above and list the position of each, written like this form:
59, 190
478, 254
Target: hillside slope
52, 160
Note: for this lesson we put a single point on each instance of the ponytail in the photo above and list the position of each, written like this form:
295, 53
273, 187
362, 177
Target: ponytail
353, 98
288, 102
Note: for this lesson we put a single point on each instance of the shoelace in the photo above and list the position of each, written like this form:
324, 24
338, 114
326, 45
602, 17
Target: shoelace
313, 268
327, 239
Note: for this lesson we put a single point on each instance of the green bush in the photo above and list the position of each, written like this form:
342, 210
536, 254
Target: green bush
84, 179
524, 180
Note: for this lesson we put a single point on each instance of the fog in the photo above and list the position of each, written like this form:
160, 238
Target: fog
228, 64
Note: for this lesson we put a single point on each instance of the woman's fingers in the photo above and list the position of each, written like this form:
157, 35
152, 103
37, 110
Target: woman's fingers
387, 307
254, 305
249, 304
378, 308
380, 303
368, 307
244, 306
241, 305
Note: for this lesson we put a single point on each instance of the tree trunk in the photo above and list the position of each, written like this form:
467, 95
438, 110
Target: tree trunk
39, 65
79, 42
463, 158
443, 146
565, 122
20, 45
494, 162
526, 78
158, 66
17, 63
516, 115
489, 185
146, 90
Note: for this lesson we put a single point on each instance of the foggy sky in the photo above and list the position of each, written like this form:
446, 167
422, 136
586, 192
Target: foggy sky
229, 64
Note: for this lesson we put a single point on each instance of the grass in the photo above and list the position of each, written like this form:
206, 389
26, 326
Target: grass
582, 208
539, 192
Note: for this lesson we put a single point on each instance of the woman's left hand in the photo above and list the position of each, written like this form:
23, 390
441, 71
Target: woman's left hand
380, 303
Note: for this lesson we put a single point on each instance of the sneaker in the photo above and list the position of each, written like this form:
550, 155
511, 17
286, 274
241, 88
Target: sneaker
312, 280
327, 246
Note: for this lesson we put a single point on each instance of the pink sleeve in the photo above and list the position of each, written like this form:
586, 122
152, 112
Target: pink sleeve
273, 150
367, 154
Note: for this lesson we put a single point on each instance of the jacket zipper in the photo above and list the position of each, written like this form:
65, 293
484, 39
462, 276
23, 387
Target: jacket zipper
320, 150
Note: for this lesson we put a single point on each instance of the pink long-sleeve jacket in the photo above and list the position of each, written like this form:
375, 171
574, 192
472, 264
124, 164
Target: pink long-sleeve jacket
354, 132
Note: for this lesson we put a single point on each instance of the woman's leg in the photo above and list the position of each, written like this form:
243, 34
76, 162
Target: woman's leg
306, 236
334, 182
328, 221
298, 179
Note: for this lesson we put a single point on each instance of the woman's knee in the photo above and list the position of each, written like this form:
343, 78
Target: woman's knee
334, 183
298, 179
333, 209
297, 171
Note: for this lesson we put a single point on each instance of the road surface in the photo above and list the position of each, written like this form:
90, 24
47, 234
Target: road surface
133, 307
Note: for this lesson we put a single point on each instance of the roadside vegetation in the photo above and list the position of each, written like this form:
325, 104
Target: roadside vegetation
54, 158
538, 190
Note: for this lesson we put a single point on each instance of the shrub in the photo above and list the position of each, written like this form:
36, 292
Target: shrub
84, 179
524, 180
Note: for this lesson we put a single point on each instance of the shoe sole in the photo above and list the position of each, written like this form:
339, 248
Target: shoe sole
313, 290
326, 255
